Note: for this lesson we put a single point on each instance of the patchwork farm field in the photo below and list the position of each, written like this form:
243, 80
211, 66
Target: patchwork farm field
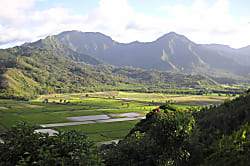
79, 111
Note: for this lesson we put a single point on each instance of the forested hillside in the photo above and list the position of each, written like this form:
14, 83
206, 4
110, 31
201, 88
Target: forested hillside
52, 44
70, 62
30, 71
222, 135
170, 136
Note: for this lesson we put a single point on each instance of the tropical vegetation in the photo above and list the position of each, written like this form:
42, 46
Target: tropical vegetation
214, 135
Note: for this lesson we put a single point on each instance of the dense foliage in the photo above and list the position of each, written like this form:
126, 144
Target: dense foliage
222, 133
25, 147
160, 139
212, 136
215, 135
231, 150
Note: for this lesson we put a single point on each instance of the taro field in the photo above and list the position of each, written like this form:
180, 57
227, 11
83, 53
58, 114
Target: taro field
102, 116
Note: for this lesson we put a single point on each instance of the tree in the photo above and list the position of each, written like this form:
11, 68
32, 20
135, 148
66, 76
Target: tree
222, 134
231, 150
24, 147
158, 140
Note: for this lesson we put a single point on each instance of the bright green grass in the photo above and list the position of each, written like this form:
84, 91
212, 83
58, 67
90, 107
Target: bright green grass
45, 117
36, 112
133, 122
103, 131
98, 127
10, 120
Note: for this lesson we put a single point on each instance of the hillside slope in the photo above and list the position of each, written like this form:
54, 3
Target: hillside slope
213, 136
52, 44
29, 71
241, 55
222, 134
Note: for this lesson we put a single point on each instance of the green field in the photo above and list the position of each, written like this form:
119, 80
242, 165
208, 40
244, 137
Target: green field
61, 106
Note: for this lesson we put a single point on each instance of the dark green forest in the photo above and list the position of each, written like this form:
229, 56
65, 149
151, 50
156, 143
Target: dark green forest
168, 136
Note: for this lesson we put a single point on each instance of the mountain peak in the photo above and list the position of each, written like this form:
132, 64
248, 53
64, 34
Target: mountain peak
172, 35
97, 35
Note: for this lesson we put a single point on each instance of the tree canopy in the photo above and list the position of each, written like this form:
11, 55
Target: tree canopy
24, 147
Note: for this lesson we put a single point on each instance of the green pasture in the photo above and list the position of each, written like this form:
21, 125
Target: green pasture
60, 106
103, 131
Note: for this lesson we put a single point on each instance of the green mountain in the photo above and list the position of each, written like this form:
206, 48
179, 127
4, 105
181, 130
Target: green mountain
52, 44
29, 71
172, 52
74, 61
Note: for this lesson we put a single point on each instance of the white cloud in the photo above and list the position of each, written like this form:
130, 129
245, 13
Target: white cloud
205, 23
201, 22
18, 23
13, 21
119, 20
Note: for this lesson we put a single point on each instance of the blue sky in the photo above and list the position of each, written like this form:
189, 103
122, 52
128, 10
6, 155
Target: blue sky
237, 7
202, 21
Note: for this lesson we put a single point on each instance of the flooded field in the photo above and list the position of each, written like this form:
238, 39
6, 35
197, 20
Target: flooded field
81, 120
102, 116
91, 117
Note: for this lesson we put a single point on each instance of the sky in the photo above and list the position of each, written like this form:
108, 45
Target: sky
202, 21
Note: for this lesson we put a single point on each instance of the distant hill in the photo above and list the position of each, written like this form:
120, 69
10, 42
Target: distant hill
28, 71
245, 50
172, 52
241, 55
245, 55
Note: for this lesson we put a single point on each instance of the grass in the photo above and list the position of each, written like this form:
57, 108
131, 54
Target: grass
116, 135
102, 131
200, 100
99, 127
37, 112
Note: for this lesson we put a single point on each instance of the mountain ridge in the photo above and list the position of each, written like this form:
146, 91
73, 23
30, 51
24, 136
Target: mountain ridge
76, 63
170, 52
52, 44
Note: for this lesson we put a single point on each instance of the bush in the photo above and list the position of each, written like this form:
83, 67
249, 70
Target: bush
24, 147
160, 139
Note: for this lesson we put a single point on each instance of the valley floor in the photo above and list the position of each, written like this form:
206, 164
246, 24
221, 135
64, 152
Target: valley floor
103, 116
